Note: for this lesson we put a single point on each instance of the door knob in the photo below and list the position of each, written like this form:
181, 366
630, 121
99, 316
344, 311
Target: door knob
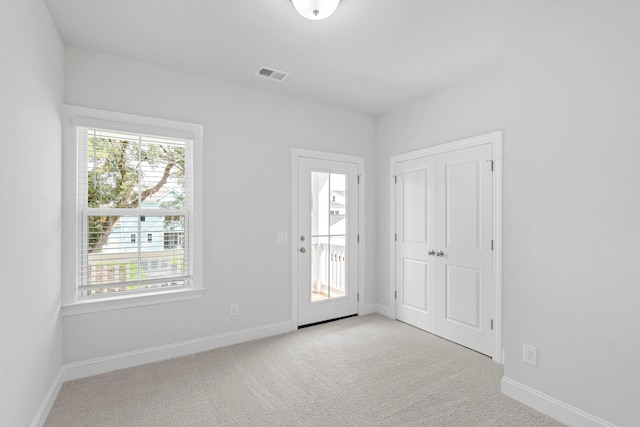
431, 252
302, 250
439, 253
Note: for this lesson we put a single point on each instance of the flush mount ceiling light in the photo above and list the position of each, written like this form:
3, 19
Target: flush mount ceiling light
315, 9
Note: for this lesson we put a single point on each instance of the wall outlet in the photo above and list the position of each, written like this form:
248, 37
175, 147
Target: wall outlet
530, 355
234, 309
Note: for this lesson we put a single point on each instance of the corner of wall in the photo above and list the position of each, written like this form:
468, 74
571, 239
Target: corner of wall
49, 399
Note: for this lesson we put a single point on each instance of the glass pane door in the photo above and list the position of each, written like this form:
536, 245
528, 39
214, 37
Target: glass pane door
326, 251
328, 236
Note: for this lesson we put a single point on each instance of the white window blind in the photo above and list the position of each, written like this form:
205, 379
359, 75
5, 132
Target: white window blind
133, 187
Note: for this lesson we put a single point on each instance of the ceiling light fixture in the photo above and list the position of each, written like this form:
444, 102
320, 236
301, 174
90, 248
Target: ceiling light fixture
315, 9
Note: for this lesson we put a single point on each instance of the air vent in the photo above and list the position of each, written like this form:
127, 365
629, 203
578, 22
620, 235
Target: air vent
271, 74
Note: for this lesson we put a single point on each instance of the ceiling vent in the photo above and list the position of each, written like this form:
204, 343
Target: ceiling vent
272, 74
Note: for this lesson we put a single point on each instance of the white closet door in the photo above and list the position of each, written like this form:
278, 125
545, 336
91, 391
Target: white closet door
416, 235
465, 264
444, 258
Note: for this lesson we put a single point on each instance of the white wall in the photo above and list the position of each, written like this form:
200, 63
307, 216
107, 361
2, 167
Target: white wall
248, 135
569, 102
31, 76
572, 205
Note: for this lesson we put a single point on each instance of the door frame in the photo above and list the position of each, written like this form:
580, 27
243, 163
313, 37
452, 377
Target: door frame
495, 139
296, 154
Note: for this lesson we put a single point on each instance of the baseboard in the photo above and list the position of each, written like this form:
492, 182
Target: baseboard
73, 371
369, 309
551, 406
48, 401
378, 308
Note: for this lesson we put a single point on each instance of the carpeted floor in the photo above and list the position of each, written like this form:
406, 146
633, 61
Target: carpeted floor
361, 371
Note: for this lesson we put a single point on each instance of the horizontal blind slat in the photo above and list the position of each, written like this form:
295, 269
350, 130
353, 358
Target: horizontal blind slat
140, 291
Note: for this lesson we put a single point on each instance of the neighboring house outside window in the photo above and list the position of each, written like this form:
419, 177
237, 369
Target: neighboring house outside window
134, 180
337, 209
173, 239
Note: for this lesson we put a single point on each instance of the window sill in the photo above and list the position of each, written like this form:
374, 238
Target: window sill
117, 303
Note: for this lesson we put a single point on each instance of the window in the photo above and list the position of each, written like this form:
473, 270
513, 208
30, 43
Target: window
173, 239
125, 177
135, 177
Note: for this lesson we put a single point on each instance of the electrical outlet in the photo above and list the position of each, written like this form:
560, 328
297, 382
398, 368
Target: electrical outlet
234, 309
530, 355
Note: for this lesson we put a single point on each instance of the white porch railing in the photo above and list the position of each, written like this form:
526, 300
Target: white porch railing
328, 270
113, 272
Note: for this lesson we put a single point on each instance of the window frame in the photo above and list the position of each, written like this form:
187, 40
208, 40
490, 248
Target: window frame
74, 117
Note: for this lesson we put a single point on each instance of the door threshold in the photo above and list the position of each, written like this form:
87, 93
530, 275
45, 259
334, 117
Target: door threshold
326, 321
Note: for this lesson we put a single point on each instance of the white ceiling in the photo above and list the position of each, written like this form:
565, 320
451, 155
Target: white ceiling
370, 56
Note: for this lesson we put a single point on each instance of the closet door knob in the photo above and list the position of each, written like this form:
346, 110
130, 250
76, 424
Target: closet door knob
431, 252
439, 253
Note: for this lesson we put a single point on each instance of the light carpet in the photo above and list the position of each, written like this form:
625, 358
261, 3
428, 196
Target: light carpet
360, 371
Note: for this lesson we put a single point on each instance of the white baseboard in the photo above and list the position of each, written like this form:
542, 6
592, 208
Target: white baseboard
48, 401
369, 309
73, 371
551, 406
380, 309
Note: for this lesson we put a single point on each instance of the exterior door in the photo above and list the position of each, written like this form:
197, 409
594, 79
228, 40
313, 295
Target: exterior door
327, 240
444, 258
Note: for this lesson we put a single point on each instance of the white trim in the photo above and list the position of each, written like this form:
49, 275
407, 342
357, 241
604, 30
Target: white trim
297, 153
495, 139
294, 237
48, 401
323, 155
447, 147
377, 308
498, 354
369, 309
74, 116
138, 300
550, 406
392, 239
91, 117
102, 365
